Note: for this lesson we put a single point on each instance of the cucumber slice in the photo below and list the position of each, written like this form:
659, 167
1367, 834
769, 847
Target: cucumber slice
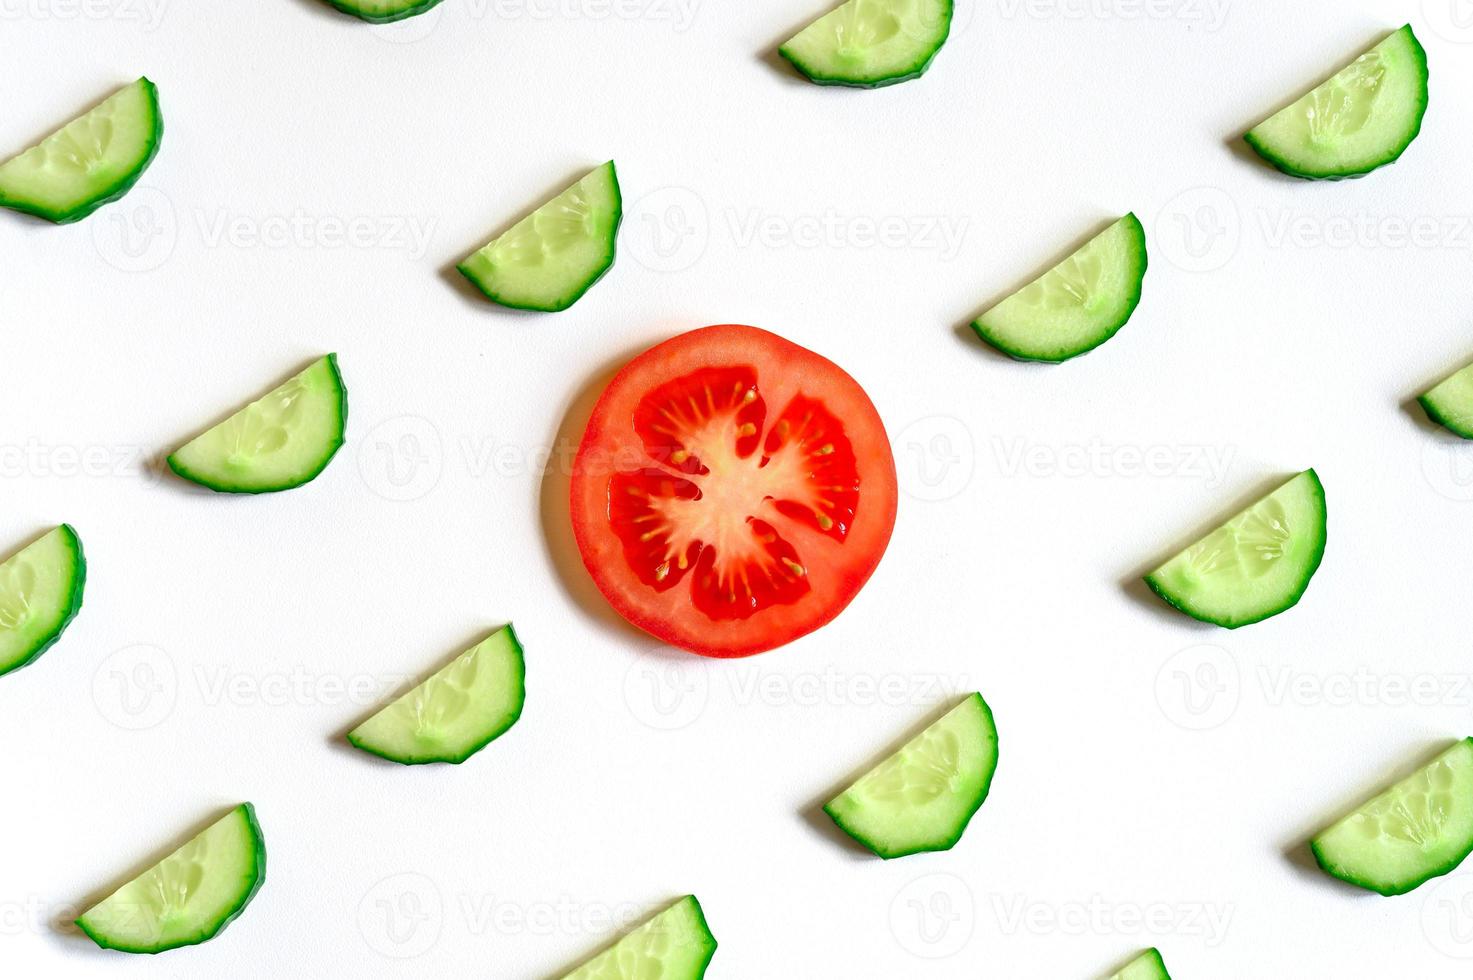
674, 945
280, 441
1361, 119
1450, 404
1075, 306
870, 43
457, 711
383, 11
1147, 966
40, 593
1417, 830
922, 797
90, 161
554, 255
1256, 565
189, 896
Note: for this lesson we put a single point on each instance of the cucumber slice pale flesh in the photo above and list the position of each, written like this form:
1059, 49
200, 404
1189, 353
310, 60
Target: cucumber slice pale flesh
40, 593
189, 896
1450, 404
674, 945
90, 161
1256, 565
1075, 306
549, 259
457, 711
870, 43
280, 441
922, 797
1417, 830
1361, 119
383, 11
1147, 966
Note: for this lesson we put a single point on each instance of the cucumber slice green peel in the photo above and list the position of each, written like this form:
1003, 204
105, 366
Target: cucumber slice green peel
92, 160
1256, 565
675, 945
1417, 830
1450, 404
457, 711
189, 896
40, 593
1361, 119
1147, 966
549, 259
1075, 306
871, 43
383, 11
922, 797
280, 441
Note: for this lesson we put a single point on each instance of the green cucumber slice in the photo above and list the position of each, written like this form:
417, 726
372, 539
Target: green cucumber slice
282, 440
383, 11
870, 43
922, 797
675, 945
1450, 404
1417, 830
1256, 565
1147, 966
1361, 119
1075, 306
189, 896
457, 711
90, 161
554, 255
40, 593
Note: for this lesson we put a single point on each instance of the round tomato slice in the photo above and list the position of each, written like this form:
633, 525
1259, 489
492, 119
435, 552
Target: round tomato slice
733, 491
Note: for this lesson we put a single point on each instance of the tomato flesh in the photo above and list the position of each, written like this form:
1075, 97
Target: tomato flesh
733, 491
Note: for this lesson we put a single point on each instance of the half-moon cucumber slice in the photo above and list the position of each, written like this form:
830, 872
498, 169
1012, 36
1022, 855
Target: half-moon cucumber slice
457, 711
1417, 830
1256, 565
1075, 306
550, 258
870, 43
1361, 119
40, 593
189, 896
383, 11
922, 797
1147, 966
675, 945
280, 441
90, 161
1450, 404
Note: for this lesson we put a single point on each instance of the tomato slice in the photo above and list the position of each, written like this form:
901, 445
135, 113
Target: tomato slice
733, 491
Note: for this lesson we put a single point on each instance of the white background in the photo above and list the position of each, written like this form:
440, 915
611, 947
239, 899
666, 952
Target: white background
1151, 788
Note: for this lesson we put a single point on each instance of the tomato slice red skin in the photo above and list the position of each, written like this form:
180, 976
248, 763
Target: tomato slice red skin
840, 560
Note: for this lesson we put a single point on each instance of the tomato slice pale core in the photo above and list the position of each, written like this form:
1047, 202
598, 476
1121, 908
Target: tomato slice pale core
733, 491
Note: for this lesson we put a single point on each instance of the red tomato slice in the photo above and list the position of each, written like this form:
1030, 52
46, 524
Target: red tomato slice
733, 491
